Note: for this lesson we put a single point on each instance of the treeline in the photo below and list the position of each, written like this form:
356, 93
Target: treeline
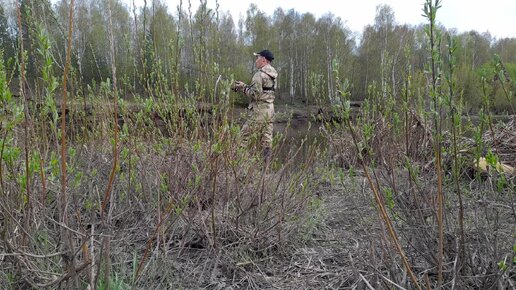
176, 50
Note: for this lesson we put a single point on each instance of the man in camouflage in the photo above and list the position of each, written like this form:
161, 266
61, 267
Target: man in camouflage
261, 108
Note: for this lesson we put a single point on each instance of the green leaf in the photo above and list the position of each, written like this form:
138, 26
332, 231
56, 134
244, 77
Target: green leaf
491, 158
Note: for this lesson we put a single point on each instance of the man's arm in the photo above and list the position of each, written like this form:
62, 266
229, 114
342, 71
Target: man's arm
254, 90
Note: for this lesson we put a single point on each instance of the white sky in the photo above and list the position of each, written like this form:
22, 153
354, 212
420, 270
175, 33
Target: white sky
494, 16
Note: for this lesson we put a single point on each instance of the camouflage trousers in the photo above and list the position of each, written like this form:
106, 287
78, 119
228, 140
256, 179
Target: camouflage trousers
258, 127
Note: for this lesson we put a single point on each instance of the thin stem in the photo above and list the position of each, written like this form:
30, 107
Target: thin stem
115, 115
25, 107
431, 9
69, 260
451, 86
107, 194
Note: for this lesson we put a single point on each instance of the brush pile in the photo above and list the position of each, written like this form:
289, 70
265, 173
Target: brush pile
497, 150
503, 141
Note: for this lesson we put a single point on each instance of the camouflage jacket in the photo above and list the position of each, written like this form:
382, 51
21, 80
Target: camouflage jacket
262, 85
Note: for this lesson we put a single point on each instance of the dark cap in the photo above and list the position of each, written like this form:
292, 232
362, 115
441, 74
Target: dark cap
265, 53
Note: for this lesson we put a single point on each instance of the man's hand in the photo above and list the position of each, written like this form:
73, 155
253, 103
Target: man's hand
238, 86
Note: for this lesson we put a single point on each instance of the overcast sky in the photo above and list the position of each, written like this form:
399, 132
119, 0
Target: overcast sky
495, 16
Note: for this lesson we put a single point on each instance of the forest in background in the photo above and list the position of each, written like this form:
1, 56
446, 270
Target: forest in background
185, 51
